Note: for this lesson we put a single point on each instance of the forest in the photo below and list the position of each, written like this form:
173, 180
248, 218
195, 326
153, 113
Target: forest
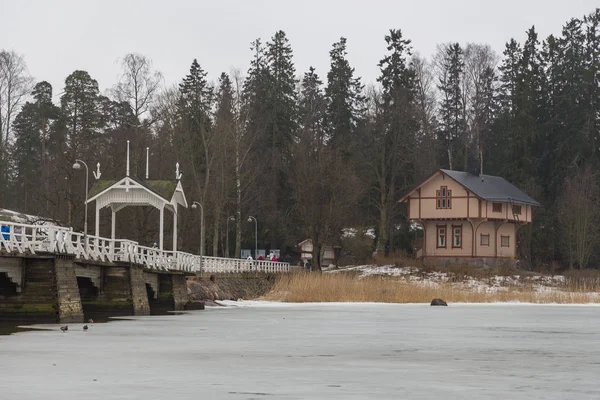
318, 154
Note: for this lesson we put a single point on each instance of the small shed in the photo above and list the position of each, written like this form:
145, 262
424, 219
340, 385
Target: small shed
306, 248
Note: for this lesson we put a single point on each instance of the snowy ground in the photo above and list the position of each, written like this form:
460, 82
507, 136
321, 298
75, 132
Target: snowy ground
489, 284
20, 218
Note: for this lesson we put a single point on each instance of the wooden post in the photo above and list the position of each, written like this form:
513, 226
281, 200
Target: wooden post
97, 240
113, 223
97, 220
162, 224
175, 228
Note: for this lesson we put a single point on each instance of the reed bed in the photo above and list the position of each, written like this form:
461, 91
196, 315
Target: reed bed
315, 287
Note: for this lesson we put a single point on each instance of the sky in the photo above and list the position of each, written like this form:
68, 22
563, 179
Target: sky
57, 37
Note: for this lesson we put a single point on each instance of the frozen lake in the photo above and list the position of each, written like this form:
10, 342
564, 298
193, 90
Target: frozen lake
344, 351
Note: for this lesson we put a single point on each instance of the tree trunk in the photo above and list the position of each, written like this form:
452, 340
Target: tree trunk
215, 249
316, 256
238, 202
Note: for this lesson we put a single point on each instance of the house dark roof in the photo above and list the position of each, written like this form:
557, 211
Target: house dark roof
491, 188
164, 188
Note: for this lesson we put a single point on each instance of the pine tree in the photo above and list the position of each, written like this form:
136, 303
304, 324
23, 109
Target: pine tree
194, 133
223, 145
282, 91
312, 107
29, 150
452, 122
322, 184
78, 133
592, 79
345, 101
394, 142
509, 73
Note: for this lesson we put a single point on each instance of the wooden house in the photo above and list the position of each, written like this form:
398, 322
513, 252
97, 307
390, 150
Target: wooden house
468, 217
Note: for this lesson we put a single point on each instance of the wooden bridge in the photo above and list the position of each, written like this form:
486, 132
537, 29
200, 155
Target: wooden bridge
26, 239
55, 272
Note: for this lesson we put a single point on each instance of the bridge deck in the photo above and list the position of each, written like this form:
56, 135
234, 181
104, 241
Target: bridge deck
38, 239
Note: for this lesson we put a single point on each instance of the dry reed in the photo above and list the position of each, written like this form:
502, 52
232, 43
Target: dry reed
314, 287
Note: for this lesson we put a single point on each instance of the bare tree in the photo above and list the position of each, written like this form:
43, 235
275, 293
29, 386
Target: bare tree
425, 106
479, 91
138, 84
15, 85
579, 215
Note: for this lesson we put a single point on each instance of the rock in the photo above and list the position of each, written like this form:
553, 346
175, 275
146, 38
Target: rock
195, 305
438, 302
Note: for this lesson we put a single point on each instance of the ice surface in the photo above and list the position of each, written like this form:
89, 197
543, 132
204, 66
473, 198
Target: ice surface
254, 350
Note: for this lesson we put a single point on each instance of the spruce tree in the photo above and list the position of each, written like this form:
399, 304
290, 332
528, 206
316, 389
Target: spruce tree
312, 107
282, 91
452, 122
392, 154
345, 101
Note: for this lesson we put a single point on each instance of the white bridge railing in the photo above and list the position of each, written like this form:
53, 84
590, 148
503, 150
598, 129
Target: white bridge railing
34, 239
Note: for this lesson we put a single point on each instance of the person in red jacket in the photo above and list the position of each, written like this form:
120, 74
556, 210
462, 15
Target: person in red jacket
274, 258
261, 258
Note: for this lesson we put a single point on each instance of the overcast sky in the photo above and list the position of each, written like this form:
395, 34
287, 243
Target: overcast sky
58, 37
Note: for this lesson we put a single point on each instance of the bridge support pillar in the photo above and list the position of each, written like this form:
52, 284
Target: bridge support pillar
115, 297
172, 292
69, 299
139, 294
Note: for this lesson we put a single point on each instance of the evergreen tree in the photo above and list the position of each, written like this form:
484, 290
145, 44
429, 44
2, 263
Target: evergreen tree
29, 150
592, 79
282, 96
193, 138
452, 121
223, 146
345, 101
312, 107
80, 108
391, 155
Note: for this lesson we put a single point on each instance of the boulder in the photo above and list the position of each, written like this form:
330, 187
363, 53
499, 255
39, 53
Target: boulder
438, 302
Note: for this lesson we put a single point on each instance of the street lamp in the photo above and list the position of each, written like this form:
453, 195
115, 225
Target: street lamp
250, 218
231, 218
77, 165
195, 205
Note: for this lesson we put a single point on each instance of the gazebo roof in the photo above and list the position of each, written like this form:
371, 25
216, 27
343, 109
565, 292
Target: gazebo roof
164, 187
135, 191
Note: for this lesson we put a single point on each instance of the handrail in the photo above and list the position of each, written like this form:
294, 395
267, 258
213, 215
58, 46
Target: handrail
32, 239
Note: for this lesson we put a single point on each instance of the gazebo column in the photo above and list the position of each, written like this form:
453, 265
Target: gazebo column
175, 229
162, 225
113, 223
97, 222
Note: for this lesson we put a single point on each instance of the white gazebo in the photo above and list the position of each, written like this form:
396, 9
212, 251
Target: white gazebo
129, 191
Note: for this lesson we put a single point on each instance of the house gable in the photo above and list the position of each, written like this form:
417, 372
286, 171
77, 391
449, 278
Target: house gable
440, 196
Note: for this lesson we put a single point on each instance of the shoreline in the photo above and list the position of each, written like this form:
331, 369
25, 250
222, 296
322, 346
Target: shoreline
283, 304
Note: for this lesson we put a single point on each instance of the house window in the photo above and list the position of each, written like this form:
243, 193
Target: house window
443, 198
516, 209
505, 241
441, 236
456, 236
485, 240
496, 207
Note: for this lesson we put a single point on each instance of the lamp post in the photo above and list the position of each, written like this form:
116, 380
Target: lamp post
250, 218
195, 205
77, 165
231, 218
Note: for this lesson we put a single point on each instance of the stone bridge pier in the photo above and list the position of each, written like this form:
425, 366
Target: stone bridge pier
62, 288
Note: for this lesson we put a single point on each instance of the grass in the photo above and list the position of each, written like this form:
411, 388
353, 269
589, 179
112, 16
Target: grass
315, 287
